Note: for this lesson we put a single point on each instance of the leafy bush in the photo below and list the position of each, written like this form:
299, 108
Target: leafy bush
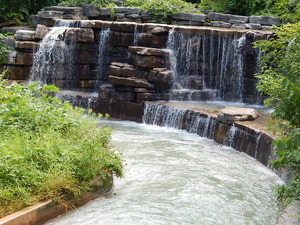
18, 9
47, 148
3, 50
280, 80
288, 153
13, 10
97, 3
287, 10
162, 9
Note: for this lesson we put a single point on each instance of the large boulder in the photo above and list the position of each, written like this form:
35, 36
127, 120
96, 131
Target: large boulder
79, 35
158, 30
147, 57
124, 27
26, 45
127, 10
122, 39
14, 29
77, 11
161, 77
190, 17
16, 72
11, 42
152, 40
91, 11
130, 82
95, 24
264, 20
231, 114
19, 58
122, 70
40, 31
50, 14
212, 16
147, 61
148, 51
25, 35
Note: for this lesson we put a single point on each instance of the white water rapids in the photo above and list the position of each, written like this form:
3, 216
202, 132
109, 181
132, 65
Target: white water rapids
172, 177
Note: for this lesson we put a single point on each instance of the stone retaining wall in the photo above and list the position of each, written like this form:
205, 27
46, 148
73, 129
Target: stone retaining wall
48, 15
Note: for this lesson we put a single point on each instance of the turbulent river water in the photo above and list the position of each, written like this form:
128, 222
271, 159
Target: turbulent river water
173, 177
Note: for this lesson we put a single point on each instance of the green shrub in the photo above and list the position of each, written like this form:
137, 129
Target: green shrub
3, 50
162, 9
280, 80
97, 3
47, 148
287, 10
18, 9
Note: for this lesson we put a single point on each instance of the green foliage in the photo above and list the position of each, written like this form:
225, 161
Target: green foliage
47, 148
13, 10
280, 80
18, 9
287, 10
97, 3
3, 50
162, 9
212, 5
288, 156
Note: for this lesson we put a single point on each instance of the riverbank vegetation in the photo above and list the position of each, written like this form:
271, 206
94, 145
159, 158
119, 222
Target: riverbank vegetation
47, 148
280, 80
287, 10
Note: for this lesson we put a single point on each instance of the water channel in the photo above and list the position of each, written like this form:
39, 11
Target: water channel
173, 177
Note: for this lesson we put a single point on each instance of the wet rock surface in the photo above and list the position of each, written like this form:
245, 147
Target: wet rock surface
232, 114
25, 35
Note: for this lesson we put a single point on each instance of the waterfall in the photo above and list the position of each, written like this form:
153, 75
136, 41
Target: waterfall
230, 136
184, 52
257, 142
53, 62
84, 100
209, 62
193, 122
135, 35
161, 115
102, 56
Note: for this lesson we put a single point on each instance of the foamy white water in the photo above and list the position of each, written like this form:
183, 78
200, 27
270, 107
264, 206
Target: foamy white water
172, 177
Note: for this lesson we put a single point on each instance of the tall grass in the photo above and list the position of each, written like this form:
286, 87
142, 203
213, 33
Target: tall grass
47, 148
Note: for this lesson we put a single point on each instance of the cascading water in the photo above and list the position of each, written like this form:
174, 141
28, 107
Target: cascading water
161, 115
201, 118
53, 62
231, 133
210, 62
102, 56
156, 114
135, 35
257, 144
172, 177
84, 100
